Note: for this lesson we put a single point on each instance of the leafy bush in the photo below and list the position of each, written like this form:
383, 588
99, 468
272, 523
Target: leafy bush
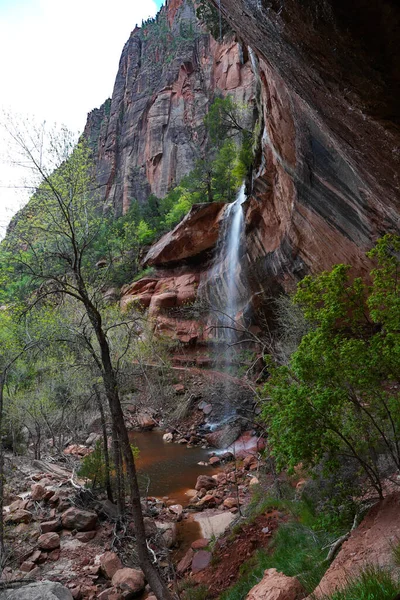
339, 396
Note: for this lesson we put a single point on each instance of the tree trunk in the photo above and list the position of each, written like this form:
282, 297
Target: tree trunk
105, 446
152, 574
119, 474
2, 379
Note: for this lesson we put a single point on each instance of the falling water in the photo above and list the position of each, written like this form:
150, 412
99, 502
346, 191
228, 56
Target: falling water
226, 293
235, 221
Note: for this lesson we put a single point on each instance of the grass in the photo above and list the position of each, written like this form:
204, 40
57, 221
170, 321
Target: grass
372, 584
298, 548
396, 554
191, 591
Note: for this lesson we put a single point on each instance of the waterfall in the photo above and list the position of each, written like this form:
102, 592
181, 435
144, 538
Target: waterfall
226, 293
233, 231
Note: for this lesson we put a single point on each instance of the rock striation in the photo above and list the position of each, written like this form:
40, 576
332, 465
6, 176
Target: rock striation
149, 134
325, 80
327, 182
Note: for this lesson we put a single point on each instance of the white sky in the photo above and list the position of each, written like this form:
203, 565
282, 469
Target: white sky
58, 61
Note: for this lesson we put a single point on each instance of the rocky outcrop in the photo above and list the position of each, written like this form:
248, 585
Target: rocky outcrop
327, 181
371, 544
276, 586
44, 590
148, 136
194, 235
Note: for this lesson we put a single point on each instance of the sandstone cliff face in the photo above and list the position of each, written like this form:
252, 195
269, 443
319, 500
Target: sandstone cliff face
150, 134
327, 183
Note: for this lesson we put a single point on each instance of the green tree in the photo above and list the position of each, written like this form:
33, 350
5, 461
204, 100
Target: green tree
339, 395
15, 340
53, 246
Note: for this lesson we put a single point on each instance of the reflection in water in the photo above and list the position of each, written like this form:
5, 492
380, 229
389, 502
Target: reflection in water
167, 469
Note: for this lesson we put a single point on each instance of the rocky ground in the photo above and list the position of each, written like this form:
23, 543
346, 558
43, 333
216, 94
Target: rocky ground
57, 530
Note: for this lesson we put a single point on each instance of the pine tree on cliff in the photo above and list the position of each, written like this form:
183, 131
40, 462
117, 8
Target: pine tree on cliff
52, 244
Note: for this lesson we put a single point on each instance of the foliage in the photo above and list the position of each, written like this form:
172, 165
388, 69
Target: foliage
372, 584
227, 118
298, 547
212, 19
93, 466
339, 395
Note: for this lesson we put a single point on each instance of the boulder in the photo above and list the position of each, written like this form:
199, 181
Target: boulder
48, 526
200, 544
185, 562
43, 590
110, 564
230, 502
145, 421
214, 461
197, 232
176, 509
27, 566
81, 520
85, 536
277, 586
206, 482
224, 437
169, 532
168, 437
201, 560
38, 492
19, 516
129, 581
208, 501
49, 541
249, 462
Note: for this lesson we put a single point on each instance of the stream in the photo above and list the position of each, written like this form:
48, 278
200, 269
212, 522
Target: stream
167, 469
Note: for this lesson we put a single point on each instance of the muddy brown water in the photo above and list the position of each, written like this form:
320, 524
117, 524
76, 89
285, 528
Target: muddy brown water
166, 469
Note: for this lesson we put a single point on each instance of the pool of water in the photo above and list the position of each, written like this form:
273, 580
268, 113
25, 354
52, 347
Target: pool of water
166, 469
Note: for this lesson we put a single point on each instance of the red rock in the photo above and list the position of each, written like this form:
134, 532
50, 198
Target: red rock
230, 502
27, 566
54, 555
38, 492
19, 516
110, 563
129, 580
81, 520
76, 593
85, 536
48, 526
206, 482
276, 586
34, 557
208, 501
145, 421
247, 444
214, 460
200, 544
249, 461
49, 541
106, 594
177, 509
200, 561
197, 232
185, 562
207, 409
49, 494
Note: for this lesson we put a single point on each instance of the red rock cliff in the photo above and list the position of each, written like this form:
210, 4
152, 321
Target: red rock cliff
149, 136
327, 183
